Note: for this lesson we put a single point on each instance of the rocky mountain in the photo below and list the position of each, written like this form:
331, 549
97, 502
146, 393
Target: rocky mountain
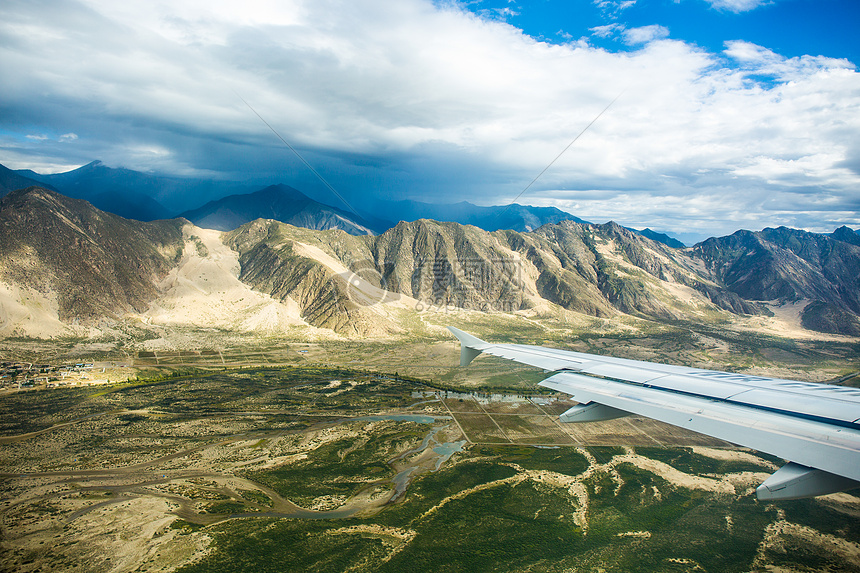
65, 256
63, 260
309, 268
846, 235
281, 203
596, 270
787, 265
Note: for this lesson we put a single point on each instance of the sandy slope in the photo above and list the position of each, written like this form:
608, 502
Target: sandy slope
204, 291
26, 312
785, 322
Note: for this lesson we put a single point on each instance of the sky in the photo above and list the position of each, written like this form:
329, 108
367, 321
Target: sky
696, 117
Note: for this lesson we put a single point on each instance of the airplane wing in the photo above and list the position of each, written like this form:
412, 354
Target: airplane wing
814, 426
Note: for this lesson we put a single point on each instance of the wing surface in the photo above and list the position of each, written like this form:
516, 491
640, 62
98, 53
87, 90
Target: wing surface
815, 426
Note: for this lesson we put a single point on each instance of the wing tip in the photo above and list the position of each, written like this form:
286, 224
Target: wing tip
470, 346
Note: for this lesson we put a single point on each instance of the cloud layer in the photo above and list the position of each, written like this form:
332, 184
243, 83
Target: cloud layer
425, 100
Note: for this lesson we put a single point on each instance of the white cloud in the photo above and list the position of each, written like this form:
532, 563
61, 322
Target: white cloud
613, 7
606, 30
645, 34
420, 98
762, 61
40, 137
738, 6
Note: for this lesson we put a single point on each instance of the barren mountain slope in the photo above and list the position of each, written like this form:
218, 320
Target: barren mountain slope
316, 270
788, 265
63, 262
90, 263
594, 270
203, 290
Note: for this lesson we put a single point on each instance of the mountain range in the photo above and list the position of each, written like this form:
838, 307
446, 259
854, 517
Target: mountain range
12, 180
147, 197
66, 266
133, 194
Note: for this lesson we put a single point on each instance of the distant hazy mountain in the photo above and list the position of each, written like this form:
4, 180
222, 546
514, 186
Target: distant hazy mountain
96, 178
514, 217
12, 180
660, 238
146, 197
122, 192
134, 194
281, 203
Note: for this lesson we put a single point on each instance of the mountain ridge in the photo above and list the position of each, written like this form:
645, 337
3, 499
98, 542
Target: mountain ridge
13, 180
787, 265
514, 216
99, 266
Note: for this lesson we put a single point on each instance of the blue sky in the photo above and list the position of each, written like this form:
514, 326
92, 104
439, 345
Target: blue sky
791, 28
733, 114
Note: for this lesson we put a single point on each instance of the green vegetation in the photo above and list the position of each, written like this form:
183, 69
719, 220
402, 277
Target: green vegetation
195, 440
276, 546
24, 412
256, 496
507, 526
643, 524
563, 460
430, 490
343, 468
824, 518
227, 507
184, 526
690, 526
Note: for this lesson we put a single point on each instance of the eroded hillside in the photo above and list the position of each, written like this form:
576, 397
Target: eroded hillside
68, 268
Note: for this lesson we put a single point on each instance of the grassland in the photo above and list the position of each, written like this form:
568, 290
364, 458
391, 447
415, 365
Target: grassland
306, 467
430, 353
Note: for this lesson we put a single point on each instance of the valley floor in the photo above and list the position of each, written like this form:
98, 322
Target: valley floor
327, 468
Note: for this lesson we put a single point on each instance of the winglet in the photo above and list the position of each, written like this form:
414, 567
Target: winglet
470, 346
796, 481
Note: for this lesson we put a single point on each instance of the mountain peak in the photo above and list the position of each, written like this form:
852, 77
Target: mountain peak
95, 166
280, 189
660, 238
279, 202
846, 235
